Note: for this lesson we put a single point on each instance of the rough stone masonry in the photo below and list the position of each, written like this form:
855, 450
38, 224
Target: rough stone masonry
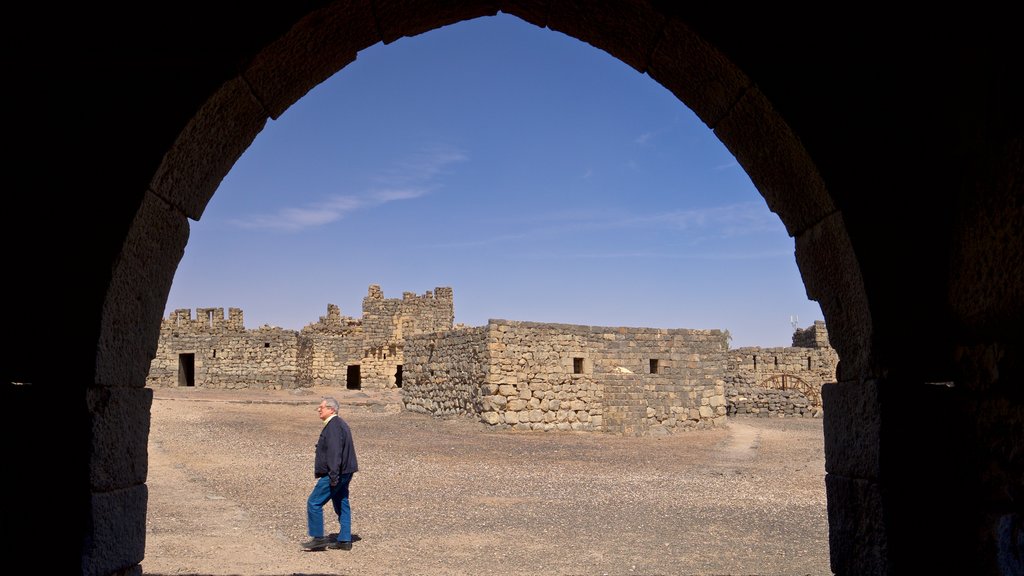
511, 374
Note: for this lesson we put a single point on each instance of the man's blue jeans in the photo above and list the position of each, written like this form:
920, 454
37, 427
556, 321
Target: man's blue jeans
322, 492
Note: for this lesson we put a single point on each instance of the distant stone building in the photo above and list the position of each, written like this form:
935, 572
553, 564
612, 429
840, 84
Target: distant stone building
508, 374
213, 352
782, 381
535, 376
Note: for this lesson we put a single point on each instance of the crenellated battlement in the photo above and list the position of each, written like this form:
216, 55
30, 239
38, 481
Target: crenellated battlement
205, 320
210, 350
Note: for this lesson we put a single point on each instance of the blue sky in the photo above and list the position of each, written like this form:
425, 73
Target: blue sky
537, 176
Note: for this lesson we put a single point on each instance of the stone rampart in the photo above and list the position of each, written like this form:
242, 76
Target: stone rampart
220, 355
508, 374
537, 376
804, 367
217, 352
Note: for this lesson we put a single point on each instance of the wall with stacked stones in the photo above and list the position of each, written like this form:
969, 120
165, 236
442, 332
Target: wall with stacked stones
215, 352
814, 336
327, 347
387, 320
443, 372
782, 381
537, 376
655, 404
801, 369
760, 402
319, 355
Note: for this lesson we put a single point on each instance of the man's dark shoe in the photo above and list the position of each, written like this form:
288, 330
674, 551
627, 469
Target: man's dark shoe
316, 544
340, 545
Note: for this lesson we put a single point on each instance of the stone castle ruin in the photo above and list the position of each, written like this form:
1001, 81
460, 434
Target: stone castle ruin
507, 374
213, 352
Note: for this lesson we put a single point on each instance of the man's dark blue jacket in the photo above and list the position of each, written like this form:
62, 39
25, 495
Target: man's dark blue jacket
335, 451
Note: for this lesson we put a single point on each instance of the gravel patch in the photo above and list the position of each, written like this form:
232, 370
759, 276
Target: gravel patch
230, 471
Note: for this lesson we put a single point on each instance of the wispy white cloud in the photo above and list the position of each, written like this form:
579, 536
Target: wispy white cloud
423, 166
644, 138
728, 221
699, 226
721, 221
411, 179
701, 254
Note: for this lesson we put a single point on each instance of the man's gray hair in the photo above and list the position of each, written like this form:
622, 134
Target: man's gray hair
331, 403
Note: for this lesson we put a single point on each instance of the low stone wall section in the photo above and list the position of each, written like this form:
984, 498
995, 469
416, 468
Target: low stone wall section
753, 401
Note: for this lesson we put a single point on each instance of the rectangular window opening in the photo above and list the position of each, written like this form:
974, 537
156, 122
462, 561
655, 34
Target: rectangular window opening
654, 365
577, 365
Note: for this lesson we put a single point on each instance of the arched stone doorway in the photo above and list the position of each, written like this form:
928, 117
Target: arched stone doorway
801, 107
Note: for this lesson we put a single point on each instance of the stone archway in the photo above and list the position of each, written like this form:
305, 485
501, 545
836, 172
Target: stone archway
799, 106
671, 53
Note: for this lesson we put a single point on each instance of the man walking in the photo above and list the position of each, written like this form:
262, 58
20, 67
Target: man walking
333, 467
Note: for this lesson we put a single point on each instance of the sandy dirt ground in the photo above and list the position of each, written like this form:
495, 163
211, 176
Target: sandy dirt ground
229, 472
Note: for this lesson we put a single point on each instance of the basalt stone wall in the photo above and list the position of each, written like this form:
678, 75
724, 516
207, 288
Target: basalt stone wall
444, 372
387, 320
324, 359
214, 352
814, 336
652, 404
754, 401
800, 369
327, 347
537, 376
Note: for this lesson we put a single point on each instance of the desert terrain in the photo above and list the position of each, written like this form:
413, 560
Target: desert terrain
229, 472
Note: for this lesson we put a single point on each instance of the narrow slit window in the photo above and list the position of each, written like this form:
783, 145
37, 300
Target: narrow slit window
577, 365
654, 365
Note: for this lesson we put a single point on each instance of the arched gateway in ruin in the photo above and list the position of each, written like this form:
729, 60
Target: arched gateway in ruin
890, 147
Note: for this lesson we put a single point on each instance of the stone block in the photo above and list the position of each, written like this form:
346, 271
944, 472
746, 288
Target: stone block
118, 536
120, 435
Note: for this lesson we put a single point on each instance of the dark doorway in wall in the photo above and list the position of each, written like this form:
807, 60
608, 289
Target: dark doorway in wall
353, 380
186, 369
398, 376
